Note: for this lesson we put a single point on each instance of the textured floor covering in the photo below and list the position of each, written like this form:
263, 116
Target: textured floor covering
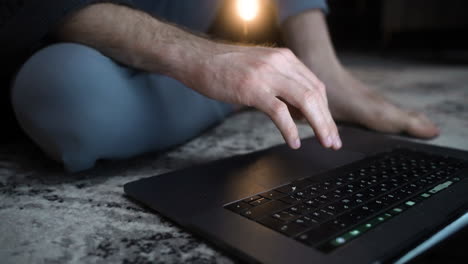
47, 216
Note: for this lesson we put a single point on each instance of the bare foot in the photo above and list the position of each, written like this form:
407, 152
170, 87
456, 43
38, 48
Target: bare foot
352, 101
349, 99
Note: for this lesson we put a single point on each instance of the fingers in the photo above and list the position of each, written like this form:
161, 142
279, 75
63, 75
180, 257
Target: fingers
302, 72
286, 77
279, 114
307, 93
310, 102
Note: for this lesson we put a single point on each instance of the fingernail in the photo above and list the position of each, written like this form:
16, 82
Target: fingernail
338, 143
297, 144
328, 142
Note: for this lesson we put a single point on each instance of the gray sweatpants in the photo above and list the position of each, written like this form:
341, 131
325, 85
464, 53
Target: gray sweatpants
80, 106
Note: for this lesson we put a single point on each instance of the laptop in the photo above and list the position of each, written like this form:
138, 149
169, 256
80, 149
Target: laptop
378, 200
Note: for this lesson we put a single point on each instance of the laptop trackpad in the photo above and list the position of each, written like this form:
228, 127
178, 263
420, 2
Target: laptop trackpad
285, 165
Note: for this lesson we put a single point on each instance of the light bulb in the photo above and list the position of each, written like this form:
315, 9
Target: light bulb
248, 9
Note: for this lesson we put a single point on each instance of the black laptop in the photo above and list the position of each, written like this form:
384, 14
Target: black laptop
374, 201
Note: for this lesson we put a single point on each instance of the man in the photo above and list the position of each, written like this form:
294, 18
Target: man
122, 81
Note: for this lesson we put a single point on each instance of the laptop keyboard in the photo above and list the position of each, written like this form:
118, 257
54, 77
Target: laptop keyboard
331, 213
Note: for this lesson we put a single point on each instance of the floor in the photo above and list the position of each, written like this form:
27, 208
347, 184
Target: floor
48, 216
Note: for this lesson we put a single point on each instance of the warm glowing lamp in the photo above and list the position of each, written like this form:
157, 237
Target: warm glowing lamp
248, 10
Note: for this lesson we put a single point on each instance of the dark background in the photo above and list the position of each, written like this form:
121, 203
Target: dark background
423, 29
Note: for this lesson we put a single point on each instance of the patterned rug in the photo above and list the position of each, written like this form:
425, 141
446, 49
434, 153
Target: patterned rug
48, 216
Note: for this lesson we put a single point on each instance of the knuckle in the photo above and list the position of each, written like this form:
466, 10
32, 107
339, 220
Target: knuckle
260, 66
286, 52
321, 86
275, 55
278, 109
309, 96
291, 130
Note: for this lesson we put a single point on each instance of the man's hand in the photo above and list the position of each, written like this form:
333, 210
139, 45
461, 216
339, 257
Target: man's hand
266, 78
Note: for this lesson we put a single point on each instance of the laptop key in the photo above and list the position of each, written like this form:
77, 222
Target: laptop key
239, 207
390, 198
320, 216
291, 199
294, 187
312, 203
259, 201
292, 229
273, 195
302, 184
271, 222
348, 202
324, 198
339, 207
287, 189
327, 211
368, 193
362, 212
310, 193
289, 229
285, 216
376, 205
316, 235
355, 215
253, 198
317, 201
338, 224
301, 194
265, 209
306, 221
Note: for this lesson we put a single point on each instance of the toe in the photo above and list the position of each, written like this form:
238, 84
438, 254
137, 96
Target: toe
419, 125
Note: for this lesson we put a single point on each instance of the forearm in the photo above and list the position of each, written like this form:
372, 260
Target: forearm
253, 76
136, 39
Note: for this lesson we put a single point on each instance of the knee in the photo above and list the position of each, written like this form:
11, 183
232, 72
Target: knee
54, 70
47, 95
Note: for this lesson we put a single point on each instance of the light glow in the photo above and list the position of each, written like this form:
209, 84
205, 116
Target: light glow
248, 9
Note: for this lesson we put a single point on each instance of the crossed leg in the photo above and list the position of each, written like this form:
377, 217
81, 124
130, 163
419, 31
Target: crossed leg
80, 106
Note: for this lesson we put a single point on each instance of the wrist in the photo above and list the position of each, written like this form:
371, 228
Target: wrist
190, 60
178, 54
